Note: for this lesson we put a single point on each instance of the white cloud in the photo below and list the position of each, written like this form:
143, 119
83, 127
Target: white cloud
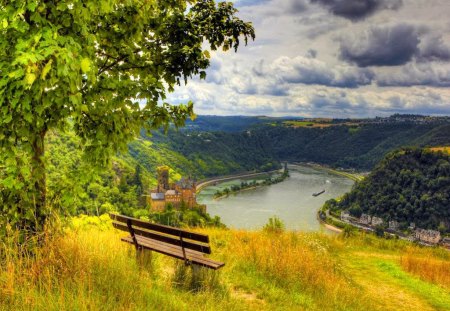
279, 75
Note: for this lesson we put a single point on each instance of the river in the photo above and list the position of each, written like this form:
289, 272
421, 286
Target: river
291, 200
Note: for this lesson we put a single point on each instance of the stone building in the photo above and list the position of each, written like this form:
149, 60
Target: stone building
365, 219
446, 242
345, 216
177, 194
377, 221
393, 225
157, 201
429, 236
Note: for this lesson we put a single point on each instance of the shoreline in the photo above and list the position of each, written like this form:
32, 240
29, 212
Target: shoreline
332, 228
242, 190
353, 176
253, 186
206, 183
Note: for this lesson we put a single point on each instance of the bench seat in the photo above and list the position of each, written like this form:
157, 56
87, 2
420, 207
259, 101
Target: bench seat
175, 242
175, 251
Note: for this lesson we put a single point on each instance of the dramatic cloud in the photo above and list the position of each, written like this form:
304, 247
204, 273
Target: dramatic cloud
358, 9
243, 3
433, 48
417, 74
381, 46
311, 58
307, 70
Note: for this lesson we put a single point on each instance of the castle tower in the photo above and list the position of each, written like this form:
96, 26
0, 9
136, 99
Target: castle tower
163, 178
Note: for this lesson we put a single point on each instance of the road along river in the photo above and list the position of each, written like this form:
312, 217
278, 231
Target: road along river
291, 200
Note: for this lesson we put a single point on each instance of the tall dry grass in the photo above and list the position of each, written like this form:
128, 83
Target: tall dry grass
89, 268
297, 262
428, 268
80, 270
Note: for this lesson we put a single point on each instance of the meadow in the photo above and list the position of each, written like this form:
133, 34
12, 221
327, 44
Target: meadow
444, 149
86, 267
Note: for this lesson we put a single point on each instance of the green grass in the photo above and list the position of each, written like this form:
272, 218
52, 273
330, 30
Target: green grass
89, 268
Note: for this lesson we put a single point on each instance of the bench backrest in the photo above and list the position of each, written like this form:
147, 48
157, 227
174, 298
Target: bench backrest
171, 235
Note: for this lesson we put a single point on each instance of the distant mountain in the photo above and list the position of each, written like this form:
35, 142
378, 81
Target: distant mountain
410, 185
205, 123
349, 144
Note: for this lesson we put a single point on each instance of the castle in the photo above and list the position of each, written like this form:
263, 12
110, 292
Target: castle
177, 194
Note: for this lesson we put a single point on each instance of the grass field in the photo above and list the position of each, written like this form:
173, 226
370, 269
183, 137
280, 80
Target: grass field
306, 124
88, 268
319, 123
445, 149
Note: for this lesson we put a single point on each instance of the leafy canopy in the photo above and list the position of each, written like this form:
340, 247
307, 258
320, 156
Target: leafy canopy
102, 66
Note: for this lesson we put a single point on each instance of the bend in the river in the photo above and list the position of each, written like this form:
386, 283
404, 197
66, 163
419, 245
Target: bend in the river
291, 200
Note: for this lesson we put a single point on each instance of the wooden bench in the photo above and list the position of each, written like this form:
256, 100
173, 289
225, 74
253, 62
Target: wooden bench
185, 245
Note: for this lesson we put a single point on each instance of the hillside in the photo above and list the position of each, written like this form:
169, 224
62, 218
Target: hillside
349, 144
410, 185
77, 187
89, 268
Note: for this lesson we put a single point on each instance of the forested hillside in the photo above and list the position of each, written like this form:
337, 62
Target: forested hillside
77, 187
410, 185
359, 147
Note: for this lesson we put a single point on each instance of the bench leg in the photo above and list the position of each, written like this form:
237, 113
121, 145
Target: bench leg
144, 258
196, 276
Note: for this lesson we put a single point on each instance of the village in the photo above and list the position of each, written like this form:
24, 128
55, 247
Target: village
425, 237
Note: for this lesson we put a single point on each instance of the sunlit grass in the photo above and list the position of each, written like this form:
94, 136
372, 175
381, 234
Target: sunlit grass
89, 268
427, 268
445, 149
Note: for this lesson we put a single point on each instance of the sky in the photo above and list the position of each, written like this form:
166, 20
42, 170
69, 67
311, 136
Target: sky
331, 58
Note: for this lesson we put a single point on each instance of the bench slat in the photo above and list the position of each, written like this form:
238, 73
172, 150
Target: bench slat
160, 228
176, 252
164, 238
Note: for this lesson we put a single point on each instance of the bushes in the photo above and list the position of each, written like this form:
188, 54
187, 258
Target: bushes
275, 225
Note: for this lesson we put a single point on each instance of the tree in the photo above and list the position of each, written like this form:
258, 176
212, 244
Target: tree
101, 67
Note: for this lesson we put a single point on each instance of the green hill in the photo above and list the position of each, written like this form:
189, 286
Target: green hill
76, 187
348, 144
410, 185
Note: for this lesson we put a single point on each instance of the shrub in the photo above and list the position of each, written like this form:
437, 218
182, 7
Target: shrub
274, 225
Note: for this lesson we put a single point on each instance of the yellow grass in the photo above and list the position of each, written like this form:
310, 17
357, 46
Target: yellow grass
316, 123
427, 268
88, 268
445, 149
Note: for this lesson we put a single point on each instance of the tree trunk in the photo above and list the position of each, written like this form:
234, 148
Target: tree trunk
39, 179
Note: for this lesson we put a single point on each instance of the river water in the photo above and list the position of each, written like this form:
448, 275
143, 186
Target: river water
291, 200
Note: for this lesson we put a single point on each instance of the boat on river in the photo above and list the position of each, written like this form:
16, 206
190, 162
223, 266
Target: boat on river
318, 193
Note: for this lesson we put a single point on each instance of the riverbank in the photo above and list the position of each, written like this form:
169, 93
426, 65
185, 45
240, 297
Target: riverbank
207, 182
350, 175
248, 186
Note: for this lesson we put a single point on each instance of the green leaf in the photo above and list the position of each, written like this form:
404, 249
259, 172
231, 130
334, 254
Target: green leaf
5, 23
30, 78
16, 74
85, 65
46, 69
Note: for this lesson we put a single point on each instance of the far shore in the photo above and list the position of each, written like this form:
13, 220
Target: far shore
349, 175
205, 183
241, 190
